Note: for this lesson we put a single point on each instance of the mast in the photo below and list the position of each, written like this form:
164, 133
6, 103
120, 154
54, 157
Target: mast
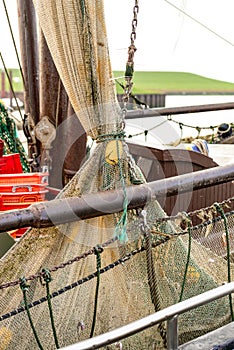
29, 57
30, 67
68, 149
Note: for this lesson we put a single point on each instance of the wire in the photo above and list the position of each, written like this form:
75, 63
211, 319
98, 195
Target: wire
200, 23
14, 43
11, 86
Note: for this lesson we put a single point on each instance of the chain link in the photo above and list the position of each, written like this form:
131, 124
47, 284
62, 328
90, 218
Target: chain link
131, 51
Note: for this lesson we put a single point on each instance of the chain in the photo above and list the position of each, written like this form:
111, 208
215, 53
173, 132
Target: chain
61, 266
131, 51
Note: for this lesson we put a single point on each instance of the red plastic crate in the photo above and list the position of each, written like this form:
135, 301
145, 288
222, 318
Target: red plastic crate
23, 197
25, 178
1, 147
10, 164
18, 233
15, 188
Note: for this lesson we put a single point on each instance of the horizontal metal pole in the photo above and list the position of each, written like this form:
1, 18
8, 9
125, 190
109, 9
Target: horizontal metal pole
64, 210
156, 112
151, 320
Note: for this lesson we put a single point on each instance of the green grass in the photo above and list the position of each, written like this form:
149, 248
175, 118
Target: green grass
174, 82
155, 83
16, 80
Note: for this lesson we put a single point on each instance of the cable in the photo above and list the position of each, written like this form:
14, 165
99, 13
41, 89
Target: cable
200, 23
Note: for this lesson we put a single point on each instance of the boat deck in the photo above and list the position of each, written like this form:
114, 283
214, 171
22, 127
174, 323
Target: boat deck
220, 339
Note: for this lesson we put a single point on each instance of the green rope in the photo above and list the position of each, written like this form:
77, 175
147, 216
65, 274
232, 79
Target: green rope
47, 278
98, 250
121, 226
24, 287
221, 211
112, 136
188, 222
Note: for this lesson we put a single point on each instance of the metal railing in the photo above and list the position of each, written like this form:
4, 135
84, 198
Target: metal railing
169, 314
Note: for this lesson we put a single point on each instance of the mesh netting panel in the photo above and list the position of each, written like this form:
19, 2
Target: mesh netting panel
137, 280
124, 293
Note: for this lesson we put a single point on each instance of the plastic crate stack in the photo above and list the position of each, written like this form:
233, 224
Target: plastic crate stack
17, 189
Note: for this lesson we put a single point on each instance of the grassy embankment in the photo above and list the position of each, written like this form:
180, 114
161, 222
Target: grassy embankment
157, 83
174, 83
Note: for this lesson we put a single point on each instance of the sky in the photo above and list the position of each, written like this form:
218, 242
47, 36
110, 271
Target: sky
166, 38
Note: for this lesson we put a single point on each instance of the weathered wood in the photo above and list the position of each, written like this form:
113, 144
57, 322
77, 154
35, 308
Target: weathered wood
75, 141
69, 147
29, 56
162, 163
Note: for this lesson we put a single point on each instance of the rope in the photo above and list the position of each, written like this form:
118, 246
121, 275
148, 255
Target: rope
73, 285
188, 222
112, 240
57, 104
61, 266
24, 287
152, 278
11, 86
14, 43
122, 232
220, 210
181, 125
98, 250
200, 23
112, 136
48, 279
162, 240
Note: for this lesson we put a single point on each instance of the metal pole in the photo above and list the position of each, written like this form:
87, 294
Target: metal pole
172, 333
156, 112
59, 211
149, 321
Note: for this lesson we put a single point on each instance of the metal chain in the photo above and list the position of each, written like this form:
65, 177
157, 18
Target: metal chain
131, 51
61, 266
109, 267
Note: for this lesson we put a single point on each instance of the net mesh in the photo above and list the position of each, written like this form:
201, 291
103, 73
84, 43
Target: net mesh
145, 266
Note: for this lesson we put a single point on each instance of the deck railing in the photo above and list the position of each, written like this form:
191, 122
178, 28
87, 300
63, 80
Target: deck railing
169, 314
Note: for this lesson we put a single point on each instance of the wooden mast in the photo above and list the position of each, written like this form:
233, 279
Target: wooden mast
29, 57
69, 147
30, 63
44, 95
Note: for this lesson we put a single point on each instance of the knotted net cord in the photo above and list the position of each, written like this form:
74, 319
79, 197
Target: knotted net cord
76, 36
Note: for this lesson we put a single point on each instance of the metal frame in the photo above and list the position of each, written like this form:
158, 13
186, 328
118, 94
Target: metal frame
156, 112
169, 314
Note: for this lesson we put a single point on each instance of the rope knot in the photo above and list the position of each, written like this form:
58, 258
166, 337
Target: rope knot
47, 275
23, 284
112, 136
98, 249
185, 220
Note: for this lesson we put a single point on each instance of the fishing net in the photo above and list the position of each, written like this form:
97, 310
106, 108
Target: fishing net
67, 283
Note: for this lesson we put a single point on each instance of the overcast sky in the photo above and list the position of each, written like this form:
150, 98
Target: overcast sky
167, 39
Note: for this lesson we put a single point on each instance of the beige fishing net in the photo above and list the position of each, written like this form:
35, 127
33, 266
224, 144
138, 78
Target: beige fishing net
145, 265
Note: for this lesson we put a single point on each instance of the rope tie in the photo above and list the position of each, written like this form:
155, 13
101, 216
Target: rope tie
221, 211
47, 278
24, 287
187, 220
97, 250
121, 227
120, 136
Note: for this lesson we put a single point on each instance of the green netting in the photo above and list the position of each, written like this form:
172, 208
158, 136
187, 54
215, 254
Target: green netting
8, 134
